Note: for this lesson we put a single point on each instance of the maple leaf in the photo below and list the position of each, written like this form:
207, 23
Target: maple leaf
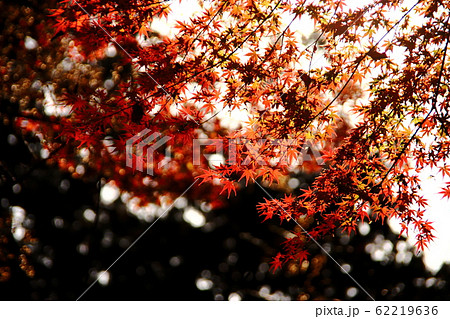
208, 108
268, 213
228, 187
302, 255
445, 170
144, 30
248, 174
445, 191
276, 263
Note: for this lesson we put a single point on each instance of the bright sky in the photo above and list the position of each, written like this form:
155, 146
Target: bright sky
438, 211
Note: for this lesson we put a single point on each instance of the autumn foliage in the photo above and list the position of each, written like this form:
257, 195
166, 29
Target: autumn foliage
369, 90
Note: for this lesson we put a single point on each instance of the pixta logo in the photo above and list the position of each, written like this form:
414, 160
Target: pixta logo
140, 150
143, 144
